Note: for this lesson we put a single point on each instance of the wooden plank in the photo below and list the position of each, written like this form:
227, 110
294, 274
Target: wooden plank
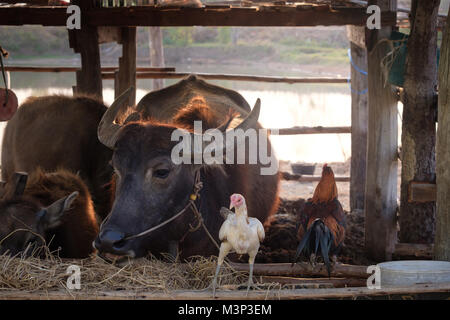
302, 269
75, 69
418, 250
109, 34
421, 192
85, 42
418, 156
126, 75
330, 282
357, 35
310, 130
31, 2
236, 77
359, 85
46, 16
381, 178
148, 16
442, 239
275, 293
157, 16
156, 53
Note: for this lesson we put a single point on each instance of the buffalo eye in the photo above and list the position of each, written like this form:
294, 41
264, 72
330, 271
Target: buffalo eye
161, 173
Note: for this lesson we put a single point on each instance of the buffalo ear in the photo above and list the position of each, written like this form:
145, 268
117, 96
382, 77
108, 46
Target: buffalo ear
54, 212
20, 182
15, 187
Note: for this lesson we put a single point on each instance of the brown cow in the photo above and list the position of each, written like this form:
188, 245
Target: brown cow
54, 208
151, 188
54, 132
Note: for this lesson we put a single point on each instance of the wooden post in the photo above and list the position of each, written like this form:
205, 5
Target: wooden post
156, 53
442, 239
381, 178
126, 75
359, 85
417, 219
85, 42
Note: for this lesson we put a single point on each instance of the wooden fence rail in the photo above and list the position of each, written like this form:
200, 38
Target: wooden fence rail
169, 73
235, 77
310, 130
75, 69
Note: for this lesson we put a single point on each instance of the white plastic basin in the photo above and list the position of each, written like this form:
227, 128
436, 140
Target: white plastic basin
410, 272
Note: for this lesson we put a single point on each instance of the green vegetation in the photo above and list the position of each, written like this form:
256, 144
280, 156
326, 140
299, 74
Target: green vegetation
215, 45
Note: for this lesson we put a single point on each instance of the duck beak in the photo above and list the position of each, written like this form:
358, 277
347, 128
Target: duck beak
231, 205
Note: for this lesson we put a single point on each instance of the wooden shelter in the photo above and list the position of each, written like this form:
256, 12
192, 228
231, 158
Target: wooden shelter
374, 128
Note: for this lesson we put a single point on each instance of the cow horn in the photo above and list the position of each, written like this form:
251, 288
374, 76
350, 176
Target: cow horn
249, 122
108, 129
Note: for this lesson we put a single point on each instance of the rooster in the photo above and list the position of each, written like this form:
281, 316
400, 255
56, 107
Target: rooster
239, 233
322, 222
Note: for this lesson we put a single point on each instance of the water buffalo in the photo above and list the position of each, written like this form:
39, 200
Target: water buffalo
151, 188
54, 132
53, 208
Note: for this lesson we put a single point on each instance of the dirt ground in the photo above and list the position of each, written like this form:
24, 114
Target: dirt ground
281, 243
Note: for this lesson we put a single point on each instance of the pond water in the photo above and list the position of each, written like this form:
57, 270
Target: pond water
283, 105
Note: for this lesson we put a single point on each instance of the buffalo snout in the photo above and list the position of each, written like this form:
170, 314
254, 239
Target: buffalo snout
112, 241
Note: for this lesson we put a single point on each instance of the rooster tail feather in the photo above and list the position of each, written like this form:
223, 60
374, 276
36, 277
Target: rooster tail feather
302, 244
324, 248
319, 234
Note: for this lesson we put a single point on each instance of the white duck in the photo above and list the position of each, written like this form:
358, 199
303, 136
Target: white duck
241, 234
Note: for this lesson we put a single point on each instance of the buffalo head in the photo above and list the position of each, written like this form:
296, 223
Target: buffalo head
24, 221
150, 186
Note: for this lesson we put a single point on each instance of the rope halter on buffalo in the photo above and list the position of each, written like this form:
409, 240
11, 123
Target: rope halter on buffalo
198, 185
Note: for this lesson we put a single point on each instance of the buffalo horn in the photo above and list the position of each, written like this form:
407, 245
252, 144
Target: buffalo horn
108, 129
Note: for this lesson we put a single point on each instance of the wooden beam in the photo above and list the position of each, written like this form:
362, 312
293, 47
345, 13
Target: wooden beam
156, 49
205, 16
125, 77
275, 293
381, 177
302, 269
442, 239
310, 282
234, 77
421, 192
305, 178
310, 130
75, 69
357, 35
109, 34
418, 250
418, 156
254, 16
85, 42
359, 87
46, 16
